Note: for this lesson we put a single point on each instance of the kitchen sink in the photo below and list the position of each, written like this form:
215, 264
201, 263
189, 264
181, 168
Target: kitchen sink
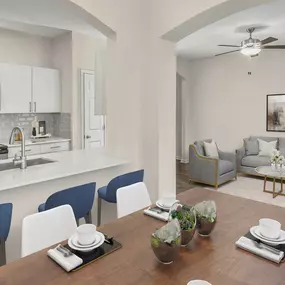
30, 162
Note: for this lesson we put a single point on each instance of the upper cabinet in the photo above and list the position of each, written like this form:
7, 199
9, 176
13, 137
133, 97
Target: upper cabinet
15, 88
46, 93
25, 89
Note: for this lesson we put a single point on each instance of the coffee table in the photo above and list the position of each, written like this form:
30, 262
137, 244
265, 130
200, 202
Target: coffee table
277, 177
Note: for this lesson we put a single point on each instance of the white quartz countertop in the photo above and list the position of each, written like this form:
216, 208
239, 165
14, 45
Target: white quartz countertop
37, 142
66, 164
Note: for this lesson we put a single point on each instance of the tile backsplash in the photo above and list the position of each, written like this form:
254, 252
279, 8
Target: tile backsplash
58, 124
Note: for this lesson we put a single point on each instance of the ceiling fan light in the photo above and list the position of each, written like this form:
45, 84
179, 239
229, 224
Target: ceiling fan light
250, 51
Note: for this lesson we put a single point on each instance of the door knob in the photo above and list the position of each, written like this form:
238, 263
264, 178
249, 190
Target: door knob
88, 137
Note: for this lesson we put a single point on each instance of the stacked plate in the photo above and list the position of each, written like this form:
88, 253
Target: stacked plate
75, 244
166, 203
255, 231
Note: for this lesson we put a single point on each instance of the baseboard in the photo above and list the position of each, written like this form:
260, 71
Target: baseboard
180, 159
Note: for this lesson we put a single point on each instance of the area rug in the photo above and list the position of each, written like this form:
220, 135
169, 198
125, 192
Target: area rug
251, 188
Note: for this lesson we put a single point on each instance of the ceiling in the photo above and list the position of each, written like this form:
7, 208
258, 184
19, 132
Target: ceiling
269, 18
46, 18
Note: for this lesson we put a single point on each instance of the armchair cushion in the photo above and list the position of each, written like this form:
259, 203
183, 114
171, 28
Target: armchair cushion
225, 166
251, 146
211, 149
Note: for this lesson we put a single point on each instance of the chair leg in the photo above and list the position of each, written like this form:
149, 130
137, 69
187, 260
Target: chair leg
216, 186
99, 212
77, 222
88, 218
2, 252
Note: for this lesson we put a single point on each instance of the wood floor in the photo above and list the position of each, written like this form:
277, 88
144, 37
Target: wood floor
182, 180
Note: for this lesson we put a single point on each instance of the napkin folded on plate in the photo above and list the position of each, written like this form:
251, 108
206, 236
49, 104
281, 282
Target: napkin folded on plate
67, 263
250, 245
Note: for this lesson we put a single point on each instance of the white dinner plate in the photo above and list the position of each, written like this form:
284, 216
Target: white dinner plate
166, 202
101, 238
272, 243
74, 240
162, 207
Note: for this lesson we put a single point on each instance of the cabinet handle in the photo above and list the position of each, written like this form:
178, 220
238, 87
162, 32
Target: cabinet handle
35, 106
28, 150
30, 104
54, 147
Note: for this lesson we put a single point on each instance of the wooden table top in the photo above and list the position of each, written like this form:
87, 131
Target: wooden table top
214, 259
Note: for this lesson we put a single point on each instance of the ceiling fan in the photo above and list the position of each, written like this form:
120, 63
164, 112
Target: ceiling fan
252, 47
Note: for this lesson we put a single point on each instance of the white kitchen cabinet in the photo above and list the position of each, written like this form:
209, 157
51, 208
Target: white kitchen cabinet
55, 147
15, 88
30, 150
46, 91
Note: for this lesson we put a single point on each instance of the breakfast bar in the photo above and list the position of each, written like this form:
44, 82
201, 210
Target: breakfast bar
215, 259
27, 189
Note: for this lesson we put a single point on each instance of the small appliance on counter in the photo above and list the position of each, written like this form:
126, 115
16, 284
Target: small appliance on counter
3, 152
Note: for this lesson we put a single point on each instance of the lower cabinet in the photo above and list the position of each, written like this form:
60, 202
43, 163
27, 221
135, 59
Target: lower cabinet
40, 149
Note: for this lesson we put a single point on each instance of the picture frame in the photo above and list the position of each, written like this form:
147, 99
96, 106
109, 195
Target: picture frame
275, 113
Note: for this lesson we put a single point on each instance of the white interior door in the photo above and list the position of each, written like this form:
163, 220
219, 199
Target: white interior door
94, 125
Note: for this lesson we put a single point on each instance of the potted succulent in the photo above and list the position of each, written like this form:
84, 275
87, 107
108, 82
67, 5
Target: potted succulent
166, 241
206, 212
186, 217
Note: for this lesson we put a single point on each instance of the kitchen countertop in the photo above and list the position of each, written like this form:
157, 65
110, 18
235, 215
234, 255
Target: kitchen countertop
39, 141
66, 164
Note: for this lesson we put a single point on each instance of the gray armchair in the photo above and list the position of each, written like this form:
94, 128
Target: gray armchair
211, 171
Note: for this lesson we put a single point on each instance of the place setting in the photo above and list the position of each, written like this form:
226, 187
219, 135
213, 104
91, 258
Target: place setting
267, 239
85, 246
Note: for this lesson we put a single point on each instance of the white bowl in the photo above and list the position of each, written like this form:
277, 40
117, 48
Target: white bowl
86, 234
199, 282
269, 228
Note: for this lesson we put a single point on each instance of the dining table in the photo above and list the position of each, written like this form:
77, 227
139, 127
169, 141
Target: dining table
214, 259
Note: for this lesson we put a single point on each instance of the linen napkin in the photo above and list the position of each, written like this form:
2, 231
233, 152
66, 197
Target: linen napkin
250, 245
67, 263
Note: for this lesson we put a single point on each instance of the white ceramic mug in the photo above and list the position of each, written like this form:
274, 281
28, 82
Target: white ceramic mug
270, 228
86, 234
199, 282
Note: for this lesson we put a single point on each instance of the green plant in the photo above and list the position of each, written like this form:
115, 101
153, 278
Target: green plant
186, 217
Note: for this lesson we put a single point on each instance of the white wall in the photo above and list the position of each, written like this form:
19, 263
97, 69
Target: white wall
227, 103
62, 60
21, 48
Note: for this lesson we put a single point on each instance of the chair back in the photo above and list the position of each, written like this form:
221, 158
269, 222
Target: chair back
47, 228
122, 181
132, 198
80, 198
5, 220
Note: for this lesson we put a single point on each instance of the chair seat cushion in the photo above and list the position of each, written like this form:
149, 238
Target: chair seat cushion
225, 166
42, 207
255, 161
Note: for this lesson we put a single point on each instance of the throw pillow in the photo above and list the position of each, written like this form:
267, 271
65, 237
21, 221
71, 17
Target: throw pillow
211, 149
266, 148
251, 146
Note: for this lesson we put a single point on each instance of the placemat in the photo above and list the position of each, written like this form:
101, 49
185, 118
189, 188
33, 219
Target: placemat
91, 256
280, 247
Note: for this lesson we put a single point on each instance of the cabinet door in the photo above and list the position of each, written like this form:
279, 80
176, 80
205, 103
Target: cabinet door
15, 88
46, 90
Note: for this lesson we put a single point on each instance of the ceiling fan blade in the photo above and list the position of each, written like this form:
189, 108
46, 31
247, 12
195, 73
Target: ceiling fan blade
228, 46
268, 41
227, 52
274, 47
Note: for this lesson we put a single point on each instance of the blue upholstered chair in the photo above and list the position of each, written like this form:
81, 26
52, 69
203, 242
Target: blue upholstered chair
108, 193
80, 198
5, 223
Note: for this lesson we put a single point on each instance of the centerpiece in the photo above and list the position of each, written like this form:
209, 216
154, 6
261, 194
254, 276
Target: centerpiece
166, 241
206, 217
277, 160
186, 217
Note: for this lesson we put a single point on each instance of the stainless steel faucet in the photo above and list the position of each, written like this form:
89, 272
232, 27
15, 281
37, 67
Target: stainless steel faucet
22, 160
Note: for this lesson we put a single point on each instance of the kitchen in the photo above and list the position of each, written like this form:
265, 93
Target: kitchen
47, 89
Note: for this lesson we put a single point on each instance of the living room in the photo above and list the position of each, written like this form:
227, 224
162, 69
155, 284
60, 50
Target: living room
224, 97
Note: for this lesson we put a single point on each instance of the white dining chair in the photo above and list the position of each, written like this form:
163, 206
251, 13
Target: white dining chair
44, 229
132, 198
